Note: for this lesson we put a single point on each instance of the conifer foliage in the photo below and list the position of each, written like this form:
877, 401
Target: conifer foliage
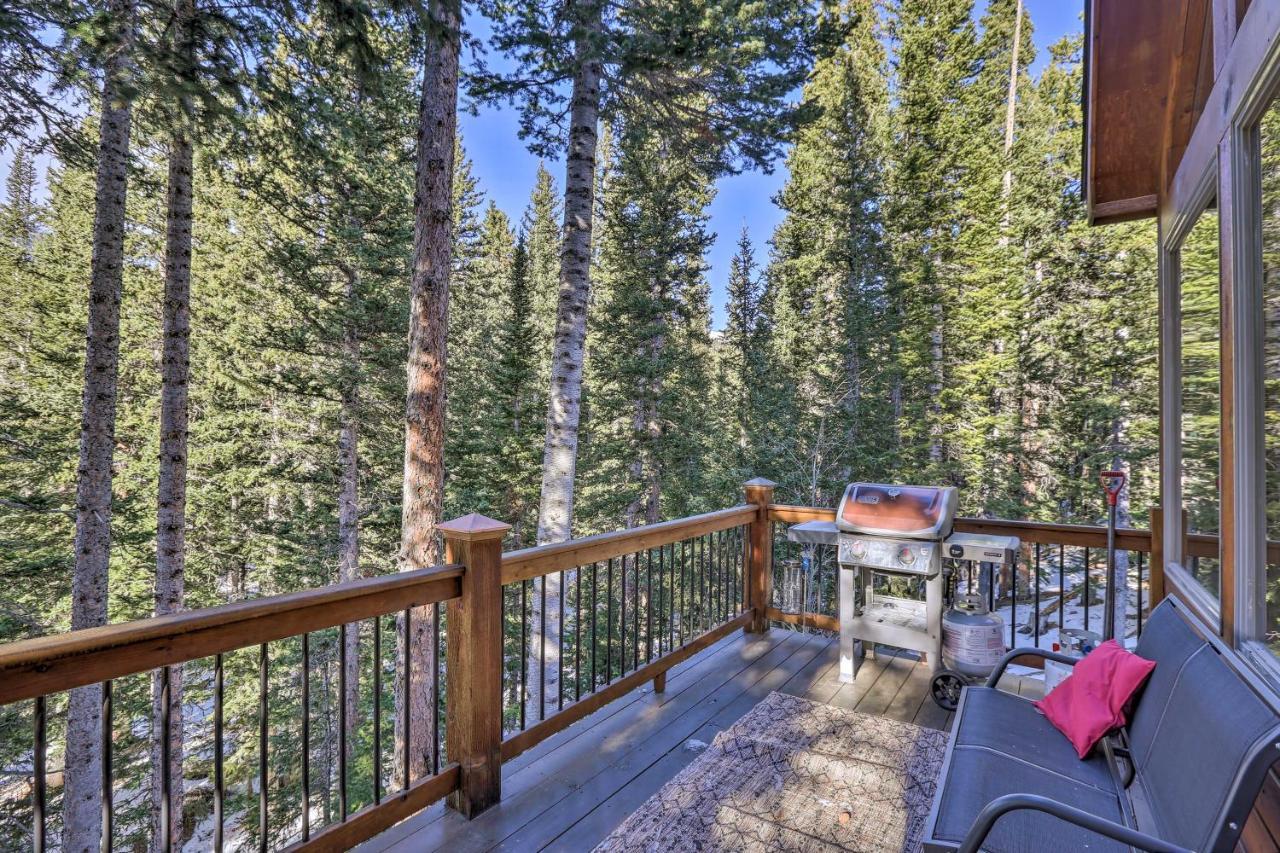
257, 264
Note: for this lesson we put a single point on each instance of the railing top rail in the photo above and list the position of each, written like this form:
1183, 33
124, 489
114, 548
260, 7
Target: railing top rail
529, 563
63, 661
1045, 533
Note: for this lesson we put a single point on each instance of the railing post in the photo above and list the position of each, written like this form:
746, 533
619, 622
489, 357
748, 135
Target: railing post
759, 555
1155, 582
473, 734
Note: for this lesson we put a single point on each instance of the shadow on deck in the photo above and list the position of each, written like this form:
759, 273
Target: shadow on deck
572, 790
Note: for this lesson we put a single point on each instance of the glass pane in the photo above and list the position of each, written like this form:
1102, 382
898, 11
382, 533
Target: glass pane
1201, 360
1270, 138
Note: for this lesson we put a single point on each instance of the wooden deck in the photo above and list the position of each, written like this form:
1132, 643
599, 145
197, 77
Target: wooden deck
570, 791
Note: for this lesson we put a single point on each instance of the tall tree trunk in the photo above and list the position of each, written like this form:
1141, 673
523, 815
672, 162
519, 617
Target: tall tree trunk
349, 498
1009, 115
560, 455
171, 503
560, 452
428, 327
82, 794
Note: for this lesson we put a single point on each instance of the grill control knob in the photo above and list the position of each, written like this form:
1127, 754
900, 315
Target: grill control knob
858, 548
906, 555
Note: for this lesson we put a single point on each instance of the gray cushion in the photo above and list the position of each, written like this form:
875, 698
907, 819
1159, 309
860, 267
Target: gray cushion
977, 775
1010, 724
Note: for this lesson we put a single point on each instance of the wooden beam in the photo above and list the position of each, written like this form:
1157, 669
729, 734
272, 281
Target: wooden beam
759, 584
371, 820
474, 671
63, 661
1123, 210
539, 732
529, 563
821, 621
1156, 571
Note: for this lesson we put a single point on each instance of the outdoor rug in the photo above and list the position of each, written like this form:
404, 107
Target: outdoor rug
795, 775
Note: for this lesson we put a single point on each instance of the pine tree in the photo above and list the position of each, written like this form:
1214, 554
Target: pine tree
514, 438
829, 276
935, 60
623, 59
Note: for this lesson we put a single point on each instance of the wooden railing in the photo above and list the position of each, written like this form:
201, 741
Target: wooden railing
44, 669
640, 602
632, 604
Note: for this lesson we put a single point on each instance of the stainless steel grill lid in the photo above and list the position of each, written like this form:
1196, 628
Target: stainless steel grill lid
904, 512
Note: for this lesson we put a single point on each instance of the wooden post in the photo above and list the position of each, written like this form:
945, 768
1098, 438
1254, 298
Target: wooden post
1156, 581
760, 555
474, 662
660, 682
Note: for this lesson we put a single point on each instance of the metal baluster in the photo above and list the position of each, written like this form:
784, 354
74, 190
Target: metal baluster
262, 747
1086, 589
219, 791
39, 772
622, 620
542, 650
648, 608
377, 710
595, 606
306, 736
560, 648
1036, 628
1062, 590
1013, 602
707, 587
684, 588
662, 552
1139, 592
437, 627
577, 634
524, 650
635, 613
717, 572
107, 786
342, 722
407, 712
166, 775
671, 601
608, 625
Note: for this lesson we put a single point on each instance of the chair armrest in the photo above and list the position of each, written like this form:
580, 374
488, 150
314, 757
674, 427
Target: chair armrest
1009, 658
1002, 806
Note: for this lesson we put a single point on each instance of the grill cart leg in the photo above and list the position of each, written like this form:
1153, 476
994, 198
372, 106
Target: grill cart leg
849, 659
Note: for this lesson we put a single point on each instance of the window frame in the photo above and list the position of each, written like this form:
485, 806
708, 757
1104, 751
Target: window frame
1174, 231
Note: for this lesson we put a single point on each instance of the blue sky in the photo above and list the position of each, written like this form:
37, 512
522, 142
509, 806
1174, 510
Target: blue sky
506, 170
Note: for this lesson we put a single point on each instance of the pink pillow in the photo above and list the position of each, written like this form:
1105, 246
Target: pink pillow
1091, 700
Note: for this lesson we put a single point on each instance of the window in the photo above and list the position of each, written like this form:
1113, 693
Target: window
1269, 139
1199, 313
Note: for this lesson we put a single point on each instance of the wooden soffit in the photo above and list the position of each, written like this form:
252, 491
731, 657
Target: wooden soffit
1148, 72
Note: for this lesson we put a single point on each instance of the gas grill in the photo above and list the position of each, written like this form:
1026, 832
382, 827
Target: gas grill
891, 541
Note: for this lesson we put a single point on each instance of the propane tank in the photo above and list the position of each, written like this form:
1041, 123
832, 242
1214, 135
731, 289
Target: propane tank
972, 637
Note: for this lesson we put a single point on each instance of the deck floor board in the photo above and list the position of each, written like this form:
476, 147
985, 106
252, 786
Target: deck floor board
573, 789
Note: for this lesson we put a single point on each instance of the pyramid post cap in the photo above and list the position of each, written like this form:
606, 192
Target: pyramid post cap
473, 526
759, 483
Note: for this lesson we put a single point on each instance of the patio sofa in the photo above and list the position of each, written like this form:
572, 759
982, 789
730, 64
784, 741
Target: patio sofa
1183, 775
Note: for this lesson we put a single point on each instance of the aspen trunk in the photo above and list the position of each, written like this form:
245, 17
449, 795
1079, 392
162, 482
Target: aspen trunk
428, 321
560, 453
555, 515
82, 794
